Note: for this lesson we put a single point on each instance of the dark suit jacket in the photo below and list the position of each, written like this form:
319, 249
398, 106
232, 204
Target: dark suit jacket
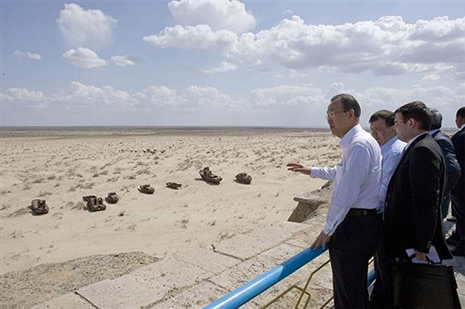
452, 166
458, 139
413, 200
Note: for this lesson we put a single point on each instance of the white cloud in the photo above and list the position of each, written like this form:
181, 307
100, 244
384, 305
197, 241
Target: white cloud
288, 95
81, 95
386, 46
446, 100
208, 97
224, 66
27, 54
84, 58
25, 95
430, 77
334, 89
440, 29
287, 105
153, 97
288, 12
81, 27
201, 36
17, 97
123, 61
159, 96
217, 14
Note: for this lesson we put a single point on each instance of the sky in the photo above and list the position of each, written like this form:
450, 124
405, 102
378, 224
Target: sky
225, 62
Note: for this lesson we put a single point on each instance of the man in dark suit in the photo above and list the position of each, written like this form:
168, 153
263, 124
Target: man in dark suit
452, 166
415, 192
458, 193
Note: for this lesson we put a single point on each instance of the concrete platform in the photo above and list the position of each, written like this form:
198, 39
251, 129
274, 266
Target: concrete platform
196, 278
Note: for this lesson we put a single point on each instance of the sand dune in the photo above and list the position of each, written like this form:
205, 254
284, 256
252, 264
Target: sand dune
62, 169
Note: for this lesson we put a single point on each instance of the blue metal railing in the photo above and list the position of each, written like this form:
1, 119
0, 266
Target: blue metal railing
266, 280
256, 286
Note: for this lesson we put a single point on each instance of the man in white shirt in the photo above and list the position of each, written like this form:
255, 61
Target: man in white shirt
382, 130
351, 228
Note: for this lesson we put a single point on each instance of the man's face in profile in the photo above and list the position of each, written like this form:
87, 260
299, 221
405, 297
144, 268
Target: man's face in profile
381, 132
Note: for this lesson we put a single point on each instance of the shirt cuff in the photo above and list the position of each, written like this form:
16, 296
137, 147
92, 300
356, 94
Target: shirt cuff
327, 230
315, 172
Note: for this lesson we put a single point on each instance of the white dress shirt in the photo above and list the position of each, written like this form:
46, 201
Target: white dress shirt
410, 141
391, 152
356, 179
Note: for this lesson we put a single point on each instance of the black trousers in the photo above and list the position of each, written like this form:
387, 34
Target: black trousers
350, 248
382, 290
458, 206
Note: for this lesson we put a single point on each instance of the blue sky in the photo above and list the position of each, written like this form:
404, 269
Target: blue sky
225, 62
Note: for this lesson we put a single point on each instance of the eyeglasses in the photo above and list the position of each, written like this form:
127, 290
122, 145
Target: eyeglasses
331, 114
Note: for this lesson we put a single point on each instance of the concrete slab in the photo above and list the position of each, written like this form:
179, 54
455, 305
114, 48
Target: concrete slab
70, 300
247, 270
197, 296
320, 287
122, 292
290, 227
143, 286
248, 245
194, 279
171, 272
311, 197
208, 260
305, 238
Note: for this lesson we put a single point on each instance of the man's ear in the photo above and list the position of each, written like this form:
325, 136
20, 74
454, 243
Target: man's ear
411, 122
393, 130
461, 120
352, 113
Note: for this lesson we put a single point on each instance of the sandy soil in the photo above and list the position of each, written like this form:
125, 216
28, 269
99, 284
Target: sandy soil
61, 168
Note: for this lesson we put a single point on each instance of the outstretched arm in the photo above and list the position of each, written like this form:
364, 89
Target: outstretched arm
296, 167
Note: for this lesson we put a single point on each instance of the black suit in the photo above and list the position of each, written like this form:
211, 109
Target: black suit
458, 193
412, 208
452, 168
413, 201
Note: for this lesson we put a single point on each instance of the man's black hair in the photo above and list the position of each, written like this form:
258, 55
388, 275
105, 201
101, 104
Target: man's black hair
348, 102
384, 114
418, 111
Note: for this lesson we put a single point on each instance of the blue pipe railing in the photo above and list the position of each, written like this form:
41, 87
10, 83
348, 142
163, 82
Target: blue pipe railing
266, 280
256, 286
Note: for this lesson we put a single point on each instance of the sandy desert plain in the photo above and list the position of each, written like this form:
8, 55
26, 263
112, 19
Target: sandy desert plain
71, 247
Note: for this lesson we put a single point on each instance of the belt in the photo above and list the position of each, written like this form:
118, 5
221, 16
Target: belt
361, 212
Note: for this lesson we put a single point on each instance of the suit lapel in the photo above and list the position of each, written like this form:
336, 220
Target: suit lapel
404, 155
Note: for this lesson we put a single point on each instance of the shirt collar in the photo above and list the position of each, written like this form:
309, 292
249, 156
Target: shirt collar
433, 131
413, 139
389, 143
463, 126
350, 134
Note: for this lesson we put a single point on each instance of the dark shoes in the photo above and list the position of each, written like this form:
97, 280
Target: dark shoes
453, 239
39, 207
112, 198
173, 185
459, 250
94, 203
244, 178
147, 189
457, 243
209, 177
